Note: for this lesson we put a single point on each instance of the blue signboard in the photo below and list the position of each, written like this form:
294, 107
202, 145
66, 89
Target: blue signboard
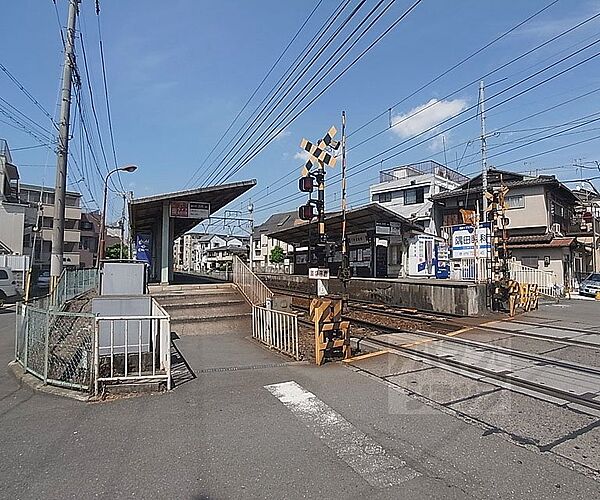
442, 262
143, 247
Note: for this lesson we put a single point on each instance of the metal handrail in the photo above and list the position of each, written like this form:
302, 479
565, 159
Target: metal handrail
251, 286
277, 329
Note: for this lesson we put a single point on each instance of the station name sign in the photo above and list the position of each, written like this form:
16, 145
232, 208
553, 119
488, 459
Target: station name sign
315, 273
189, 210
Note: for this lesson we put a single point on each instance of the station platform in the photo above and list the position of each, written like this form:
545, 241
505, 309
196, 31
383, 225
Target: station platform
458, 298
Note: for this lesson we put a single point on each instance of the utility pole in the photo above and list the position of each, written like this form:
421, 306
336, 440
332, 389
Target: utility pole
345, 271
123, 227
58, 231
484, 168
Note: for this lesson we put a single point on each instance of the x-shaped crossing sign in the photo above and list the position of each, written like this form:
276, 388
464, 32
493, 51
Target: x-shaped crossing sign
318, 152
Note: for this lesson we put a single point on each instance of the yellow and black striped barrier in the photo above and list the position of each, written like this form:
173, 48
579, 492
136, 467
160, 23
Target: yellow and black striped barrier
331, 332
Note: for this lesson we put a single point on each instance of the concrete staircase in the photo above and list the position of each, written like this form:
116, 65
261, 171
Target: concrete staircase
205, 309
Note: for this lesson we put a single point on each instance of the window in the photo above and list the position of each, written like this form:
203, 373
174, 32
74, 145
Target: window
3, 274
385, 197
530, 261
414, 196
86, 225
516, 201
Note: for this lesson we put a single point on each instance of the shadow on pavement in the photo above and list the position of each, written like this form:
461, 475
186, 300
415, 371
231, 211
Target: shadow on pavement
181, 371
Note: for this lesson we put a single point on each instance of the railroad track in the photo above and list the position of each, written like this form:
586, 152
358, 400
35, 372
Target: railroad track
446, 358
568, 370
443, 323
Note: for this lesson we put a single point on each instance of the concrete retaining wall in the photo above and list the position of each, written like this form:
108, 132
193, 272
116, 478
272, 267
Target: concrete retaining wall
444, 296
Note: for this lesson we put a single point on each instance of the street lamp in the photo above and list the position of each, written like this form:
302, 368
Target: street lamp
101, 245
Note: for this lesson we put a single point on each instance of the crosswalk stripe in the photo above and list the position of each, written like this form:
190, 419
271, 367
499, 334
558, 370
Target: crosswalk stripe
360, 452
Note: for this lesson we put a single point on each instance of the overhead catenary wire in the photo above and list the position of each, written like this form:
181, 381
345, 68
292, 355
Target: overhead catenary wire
457, 65
258, 149
512, 61
297, 78
283, 80
262, 82
510, 98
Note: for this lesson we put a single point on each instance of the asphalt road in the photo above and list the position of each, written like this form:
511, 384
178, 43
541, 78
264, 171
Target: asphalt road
225, 434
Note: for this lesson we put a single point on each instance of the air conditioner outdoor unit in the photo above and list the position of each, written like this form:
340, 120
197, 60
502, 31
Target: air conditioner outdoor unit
556, 229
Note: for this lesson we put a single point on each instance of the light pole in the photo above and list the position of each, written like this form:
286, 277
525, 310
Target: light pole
251, 253
101, 245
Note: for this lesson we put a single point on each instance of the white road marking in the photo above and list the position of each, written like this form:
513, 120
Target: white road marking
366, 457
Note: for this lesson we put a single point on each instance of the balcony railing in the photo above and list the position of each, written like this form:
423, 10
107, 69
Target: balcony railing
424, 167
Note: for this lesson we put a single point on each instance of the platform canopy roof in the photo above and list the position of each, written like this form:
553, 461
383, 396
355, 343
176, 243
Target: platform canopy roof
358, 220
145, 211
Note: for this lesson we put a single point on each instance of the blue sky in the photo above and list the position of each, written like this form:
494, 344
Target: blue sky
179, 71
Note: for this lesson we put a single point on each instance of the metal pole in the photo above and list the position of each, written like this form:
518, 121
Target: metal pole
345, 274
122, 228
103, 222
58, 231
484, 168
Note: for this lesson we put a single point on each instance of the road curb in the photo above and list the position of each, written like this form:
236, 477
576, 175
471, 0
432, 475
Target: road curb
37, 385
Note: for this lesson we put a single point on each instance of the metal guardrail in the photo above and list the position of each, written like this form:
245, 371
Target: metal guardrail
249, 284
545, 280
277, 329
133, 348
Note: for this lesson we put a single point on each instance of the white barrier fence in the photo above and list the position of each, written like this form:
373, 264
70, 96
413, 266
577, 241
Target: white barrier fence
133, 348
470, 269
277, 329
545, 280
249, 284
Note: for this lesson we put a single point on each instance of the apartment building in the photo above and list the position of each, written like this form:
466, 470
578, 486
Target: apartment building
202, 252
17, 218
262, 244
407, 190
43, 197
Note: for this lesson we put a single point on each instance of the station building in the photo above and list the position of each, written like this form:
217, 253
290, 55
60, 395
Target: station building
379, 243
156, 221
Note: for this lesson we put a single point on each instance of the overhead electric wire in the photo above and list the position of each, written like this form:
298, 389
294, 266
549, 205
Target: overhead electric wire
106, 97
307, 105
458, 64
271, 69
28, 94
306, 68
481, 78
522, 92
244, 128
512, 61
93, 107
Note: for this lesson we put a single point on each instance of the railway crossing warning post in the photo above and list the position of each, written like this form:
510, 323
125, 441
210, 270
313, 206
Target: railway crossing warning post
319, 157
331, 333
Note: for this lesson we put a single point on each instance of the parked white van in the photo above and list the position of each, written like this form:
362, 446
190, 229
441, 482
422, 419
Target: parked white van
8, 287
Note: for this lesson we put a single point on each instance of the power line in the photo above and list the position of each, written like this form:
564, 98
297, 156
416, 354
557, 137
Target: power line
457, 65
106, 98
522, 92
27, 93
306, 68
512, 61
271, 69
307, 105
283, 80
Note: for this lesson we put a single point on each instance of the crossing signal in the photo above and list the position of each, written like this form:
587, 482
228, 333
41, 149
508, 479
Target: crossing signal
306, 212
306, 184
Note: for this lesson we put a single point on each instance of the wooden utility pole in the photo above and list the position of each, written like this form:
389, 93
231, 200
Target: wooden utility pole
58, 229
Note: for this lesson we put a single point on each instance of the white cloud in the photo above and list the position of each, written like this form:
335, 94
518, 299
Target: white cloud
282, 133
302, 155
437, 143
426, 116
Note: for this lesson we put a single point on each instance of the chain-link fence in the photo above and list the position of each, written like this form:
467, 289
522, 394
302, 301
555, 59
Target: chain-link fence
54, 343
